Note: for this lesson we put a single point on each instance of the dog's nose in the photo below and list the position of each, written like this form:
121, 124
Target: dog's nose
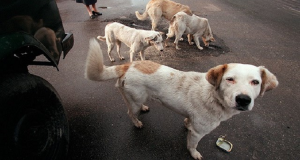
161, 50
243, 101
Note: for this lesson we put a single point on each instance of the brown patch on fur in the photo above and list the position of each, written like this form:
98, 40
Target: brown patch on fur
196, 78
269, 82
181, 82
122, 69
147, 67
214, 75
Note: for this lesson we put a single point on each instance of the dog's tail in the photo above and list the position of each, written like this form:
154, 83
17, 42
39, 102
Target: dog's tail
94, 68
141, 17
101, 38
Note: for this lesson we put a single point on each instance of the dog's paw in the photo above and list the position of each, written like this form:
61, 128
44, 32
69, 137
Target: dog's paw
138, 124
122, 58
112, 60
201, 48
191, 43
196, 155
181, 39
145, 108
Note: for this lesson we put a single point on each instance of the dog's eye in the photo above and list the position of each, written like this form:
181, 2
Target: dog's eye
255, 82
230, 79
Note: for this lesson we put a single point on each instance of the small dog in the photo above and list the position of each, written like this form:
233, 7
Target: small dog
138, 40
194, 26
162, 8
205, 99
48, 38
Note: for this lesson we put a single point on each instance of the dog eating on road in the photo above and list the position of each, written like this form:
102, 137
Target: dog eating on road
194, 26
137, 39
204, 99
156, 9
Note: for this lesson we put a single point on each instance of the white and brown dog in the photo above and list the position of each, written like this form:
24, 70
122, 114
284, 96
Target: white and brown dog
138, 40
195, 26
156, 9
205, 99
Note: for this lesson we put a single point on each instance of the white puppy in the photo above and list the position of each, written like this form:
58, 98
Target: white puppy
162, 8
205, 99
194, 26
138, 40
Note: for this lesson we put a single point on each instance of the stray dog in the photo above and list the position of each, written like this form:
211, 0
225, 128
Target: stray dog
193, 26
162, 8
48, 38
205, 99
138, 40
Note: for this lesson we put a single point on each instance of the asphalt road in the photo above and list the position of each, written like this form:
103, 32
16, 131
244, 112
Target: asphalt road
255, 32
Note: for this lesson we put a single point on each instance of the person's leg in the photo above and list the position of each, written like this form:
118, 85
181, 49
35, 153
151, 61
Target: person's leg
92, 16
89, 9
95, 11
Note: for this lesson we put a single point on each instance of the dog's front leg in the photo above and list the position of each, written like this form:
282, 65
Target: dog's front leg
118, 50
192, 142
142, 55
131, 55
196, 39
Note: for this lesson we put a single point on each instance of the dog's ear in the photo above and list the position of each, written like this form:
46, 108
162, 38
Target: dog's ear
214, 75
150, 38
269, 80
153, 38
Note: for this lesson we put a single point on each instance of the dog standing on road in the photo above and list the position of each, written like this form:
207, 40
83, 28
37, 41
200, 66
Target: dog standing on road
205, 99
138, 40
156, 9
194, 26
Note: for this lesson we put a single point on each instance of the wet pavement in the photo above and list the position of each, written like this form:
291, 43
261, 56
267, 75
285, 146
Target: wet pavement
256, 32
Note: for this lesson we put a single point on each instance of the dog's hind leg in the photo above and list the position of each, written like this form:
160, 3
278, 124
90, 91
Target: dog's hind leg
169, 35
110, 47
155, 15
134, 100
118, 49
178, 37
133, 109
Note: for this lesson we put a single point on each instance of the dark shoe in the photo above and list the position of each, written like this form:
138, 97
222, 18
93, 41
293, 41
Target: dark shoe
92, 16
96, 13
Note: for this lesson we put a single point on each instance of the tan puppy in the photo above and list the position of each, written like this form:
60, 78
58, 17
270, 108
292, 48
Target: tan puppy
194, 26
205, 99
162, 8
138, 40
48, 37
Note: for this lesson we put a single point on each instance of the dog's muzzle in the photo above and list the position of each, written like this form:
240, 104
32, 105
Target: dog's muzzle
242, 101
